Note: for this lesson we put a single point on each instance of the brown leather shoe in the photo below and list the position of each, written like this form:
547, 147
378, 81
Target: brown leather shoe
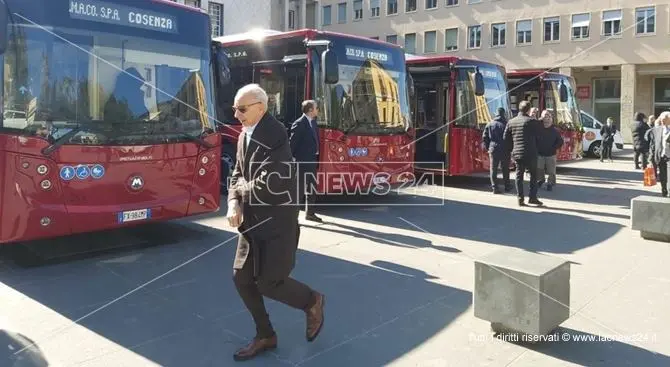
315, 317
255, 347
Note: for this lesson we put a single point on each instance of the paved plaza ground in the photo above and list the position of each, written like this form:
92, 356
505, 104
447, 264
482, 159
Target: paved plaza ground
397, 272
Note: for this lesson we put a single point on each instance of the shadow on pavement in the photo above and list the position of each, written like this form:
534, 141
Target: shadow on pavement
194, 317
503, 226
563, 191
585, 349
391, 239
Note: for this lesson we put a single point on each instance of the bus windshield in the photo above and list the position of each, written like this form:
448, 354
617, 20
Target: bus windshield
371, 96
115, 89
566, 114
476, 111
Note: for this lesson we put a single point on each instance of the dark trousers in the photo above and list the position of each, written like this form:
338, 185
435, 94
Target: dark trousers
606, 151
307, 172
642, 153
663, 175
287, 291
493, 169
523, 165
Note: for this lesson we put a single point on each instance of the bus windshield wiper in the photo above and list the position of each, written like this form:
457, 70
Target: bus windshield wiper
196, 139
357, 124
67, 136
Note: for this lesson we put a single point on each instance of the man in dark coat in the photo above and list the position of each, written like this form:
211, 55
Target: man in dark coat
494, 143
659, 142
521, 135
305, 149
640, 144
607, 133
261, 207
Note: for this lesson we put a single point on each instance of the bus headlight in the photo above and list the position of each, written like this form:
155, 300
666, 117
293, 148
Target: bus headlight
45, 221
201, 201
202, 172
42, 169
204, 159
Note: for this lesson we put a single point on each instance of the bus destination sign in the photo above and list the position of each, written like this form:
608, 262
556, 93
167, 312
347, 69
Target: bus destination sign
100, 11
362, 54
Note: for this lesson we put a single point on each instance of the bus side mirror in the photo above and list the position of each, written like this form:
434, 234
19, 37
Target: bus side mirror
479, 83
3, 27
331, 72
410, 84
563, 92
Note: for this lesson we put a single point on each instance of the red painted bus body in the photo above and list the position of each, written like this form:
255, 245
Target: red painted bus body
364, 121
107, 116
450, 116
542, 89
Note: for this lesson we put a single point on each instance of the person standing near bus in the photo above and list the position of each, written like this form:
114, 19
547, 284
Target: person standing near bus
267, 223
607, 133
659, 142
640, 144
494, 142
521, 135
549, 143
304, 140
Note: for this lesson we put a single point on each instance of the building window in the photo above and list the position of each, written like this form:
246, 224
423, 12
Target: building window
410, 43
326, 15
475, 36
607, 99
430, 42
358, 9
452, 2
375, 37
392, 38
451, 39
524, 30
431, 4
645, 20
216, 18
474, 1
410, 5
552, 29
498, 34
291, 19
193, 3
612, 22
391, 7
661, 95
580, 26
342, 13
374, 8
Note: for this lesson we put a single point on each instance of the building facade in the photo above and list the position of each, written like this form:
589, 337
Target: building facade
617, 50
239, 16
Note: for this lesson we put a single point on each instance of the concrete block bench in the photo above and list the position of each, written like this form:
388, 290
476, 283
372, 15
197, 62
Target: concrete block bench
521, 292
651, 216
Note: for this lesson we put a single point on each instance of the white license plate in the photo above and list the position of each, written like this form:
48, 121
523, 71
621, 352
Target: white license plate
133, 215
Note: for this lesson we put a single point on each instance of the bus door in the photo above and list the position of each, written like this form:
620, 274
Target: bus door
431, 114
284, 82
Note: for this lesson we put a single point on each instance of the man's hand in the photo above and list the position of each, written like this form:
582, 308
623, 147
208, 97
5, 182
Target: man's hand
234, 214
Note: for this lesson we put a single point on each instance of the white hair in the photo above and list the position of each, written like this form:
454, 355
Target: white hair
662, 116
256, 91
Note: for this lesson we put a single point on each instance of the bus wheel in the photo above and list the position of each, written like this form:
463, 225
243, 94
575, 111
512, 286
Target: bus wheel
594, 149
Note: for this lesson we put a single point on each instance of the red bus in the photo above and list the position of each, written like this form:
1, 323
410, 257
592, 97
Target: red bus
554, 92
453, 100
360, 84
107, 116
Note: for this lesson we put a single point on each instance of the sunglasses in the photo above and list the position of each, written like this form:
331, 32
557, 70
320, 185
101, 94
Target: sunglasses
245, 108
